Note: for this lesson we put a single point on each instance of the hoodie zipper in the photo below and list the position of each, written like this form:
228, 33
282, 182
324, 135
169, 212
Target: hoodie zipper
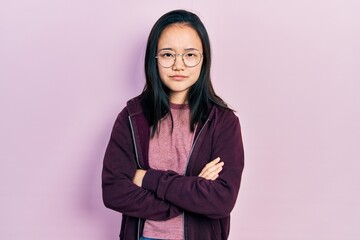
136, 150
187, 164
193, 146
138, 163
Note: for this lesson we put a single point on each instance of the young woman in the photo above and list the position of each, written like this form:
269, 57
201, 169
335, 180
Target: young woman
174, 162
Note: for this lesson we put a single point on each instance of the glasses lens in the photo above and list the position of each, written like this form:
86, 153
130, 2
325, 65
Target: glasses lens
192, 58
166, 58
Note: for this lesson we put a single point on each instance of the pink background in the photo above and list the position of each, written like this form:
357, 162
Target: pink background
291, 69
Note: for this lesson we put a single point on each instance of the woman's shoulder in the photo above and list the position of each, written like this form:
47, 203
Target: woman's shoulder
135, 101
226, 111
223, 116
132, 107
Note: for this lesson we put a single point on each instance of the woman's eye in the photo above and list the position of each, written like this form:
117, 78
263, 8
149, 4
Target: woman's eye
191, 55
167, 55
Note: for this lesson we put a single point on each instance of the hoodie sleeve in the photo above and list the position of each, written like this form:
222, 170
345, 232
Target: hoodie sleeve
119, 166
214, 199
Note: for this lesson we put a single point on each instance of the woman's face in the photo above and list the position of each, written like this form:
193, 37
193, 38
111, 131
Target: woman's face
179, 39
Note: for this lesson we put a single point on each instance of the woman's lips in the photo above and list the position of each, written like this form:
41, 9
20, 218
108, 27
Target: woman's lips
177, 77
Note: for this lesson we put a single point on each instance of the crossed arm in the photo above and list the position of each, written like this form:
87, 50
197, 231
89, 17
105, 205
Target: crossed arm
210, 172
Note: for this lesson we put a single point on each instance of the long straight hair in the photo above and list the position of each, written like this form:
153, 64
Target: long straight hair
201, 95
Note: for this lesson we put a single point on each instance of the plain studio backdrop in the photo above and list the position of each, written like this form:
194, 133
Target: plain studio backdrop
290, 68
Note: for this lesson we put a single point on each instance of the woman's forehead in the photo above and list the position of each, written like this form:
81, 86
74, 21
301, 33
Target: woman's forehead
179, 37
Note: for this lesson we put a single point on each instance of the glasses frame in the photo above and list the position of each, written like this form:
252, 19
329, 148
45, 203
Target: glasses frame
182, 58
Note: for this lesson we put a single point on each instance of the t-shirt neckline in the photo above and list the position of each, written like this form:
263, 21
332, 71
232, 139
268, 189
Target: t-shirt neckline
179, 106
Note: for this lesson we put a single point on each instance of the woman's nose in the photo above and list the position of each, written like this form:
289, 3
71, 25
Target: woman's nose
179, 62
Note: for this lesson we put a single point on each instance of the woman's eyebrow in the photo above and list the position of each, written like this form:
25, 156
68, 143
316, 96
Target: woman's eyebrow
189, 49
166, 49
171, 49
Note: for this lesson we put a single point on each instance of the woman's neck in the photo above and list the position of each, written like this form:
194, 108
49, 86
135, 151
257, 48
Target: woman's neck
178, 99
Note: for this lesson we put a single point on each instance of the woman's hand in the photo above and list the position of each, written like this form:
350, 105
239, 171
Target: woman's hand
212, 169
139, 176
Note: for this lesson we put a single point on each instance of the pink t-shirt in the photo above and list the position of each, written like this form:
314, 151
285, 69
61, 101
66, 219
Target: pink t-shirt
170, 151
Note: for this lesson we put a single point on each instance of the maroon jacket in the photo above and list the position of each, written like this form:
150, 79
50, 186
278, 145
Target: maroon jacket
206, 204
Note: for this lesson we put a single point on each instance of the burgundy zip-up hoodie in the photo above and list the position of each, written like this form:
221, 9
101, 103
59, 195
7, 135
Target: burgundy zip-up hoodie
206, 204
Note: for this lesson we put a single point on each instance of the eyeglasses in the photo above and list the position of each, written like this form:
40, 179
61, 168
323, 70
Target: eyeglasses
190, 58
